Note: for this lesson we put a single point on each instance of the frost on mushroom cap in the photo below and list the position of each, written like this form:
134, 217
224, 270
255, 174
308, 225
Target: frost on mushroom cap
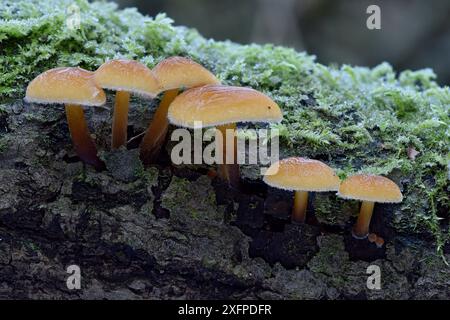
370, 188
179, 72
127, 75
65, 85
300, 174
215, 105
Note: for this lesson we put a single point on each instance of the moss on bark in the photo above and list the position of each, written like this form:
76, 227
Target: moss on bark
357, 119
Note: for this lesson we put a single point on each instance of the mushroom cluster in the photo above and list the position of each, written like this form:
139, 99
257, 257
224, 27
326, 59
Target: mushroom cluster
305, 175
173, 74
204, 101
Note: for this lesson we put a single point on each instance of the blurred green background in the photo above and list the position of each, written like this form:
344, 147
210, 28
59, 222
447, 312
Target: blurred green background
414, 33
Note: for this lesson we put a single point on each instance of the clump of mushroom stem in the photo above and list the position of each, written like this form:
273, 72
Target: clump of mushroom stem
156, 133
120, 119
172, 74
228, 170
125, 77
300, 205
361, 227
81, 138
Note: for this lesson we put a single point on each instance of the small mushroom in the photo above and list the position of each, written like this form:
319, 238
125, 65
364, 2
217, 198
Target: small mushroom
172, 74
74, 87
125, 77
222, 107
369, 189
372, 237
301, 176
379, 242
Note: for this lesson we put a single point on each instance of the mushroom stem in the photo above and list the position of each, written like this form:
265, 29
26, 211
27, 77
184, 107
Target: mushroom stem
361, 227
83, 143
120, 119
157, 130
229, 171
300, 205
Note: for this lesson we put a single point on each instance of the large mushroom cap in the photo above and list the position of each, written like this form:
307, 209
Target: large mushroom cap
216, 105
65, 85
370, 188
179, 72
300, 174
127, 75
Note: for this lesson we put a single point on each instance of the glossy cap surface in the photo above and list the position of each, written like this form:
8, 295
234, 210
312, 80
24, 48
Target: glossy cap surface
127, 75
301, 174
215, 105
65, 85
179, 72
373, 188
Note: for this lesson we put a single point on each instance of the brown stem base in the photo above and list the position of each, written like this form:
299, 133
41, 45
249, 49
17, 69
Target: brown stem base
229, 169
300, 205
120, 119
361, 227
82, 141
156, 133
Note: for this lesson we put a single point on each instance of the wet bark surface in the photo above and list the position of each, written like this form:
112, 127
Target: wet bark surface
168, 232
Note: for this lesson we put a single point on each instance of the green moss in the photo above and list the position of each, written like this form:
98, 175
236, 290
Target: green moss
361, 119
32, 117
89, 179
149, 175
191, 201
32, 246
329, 209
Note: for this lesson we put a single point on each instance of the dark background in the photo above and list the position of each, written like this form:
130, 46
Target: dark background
414, 33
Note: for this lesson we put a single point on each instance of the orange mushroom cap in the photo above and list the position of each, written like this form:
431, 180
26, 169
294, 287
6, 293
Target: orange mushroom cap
179, 72
372, 237
367, 187
127, 75
300, 174
65, 85
216, 105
